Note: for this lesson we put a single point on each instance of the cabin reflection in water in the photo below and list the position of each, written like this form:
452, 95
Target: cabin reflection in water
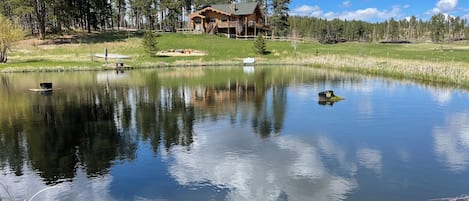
231, 93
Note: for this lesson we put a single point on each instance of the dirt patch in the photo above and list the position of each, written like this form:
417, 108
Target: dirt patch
181, 52
31, 43
65, 39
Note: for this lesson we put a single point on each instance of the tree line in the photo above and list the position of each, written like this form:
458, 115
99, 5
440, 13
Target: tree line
40, 17
43, 16
439, 28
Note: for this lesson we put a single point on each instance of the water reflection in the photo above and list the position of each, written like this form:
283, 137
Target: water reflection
452, 142
93, 125
277, 168
441, 95
329, 103
29, 184
246, 134
370, 159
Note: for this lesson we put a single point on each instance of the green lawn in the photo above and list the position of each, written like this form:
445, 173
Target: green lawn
220, 50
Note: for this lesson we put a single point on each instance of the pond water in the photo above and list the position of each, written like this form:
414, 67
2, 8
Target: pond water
231, 134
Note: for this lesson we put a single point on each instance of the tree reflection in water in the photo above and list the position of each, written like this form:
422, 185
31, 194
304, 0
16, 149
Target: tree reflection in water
94, 125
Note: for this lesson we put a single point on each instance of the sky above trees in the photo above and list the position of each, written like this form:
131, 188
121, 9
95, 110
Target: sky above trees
378, 10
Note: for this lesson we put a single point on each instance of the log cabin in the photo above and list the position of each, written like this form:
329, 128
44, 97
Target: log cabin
235, 20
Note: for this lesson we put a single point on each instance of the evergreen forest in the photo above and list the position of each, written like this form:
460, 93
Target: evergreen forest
46, 17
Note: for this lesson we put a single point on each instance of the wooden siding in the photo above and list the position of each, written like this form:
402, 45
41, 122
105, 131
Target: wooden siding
210, 20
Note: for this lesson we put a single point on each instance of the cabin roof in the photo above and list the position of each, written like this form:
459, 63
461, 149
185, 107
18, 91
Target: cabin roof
241, 8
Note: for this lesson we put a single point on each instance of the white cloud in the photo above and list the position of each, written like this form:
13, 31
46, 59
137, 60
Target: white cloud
446, 5
466, 16
345, 3
367, 14
443, 6
306, 10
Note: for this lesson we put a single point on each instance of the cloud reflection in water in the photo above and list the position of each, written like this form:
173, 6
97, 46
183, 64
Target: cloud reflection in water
80, 188
276, 168
370, 159
452, 142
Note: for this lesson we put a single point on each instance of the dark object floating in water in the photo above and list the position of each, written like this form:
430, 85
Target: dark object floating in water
44, 86
328, 98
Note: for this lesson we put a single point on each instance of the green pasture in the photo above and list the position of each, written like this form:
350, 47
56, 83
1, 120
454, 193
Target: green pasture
221, 50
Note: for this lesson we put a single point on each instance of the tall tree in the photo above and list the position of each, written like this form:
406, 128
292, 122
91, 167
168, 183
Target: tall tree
412, 27
438, 27
120, 12
393, 30
40, 11
279, 18
23, 11
172, 10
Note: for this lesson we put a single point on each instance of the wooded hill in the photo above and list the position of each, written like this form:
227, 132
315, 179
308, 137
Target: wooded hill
41, 17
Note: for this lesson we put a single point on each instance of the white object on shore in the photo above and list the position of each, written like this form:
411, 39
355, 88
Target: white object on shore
113, 56
249, 60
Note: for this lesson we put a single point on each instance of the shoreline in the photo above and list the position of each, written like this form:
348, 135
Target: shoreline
435, 72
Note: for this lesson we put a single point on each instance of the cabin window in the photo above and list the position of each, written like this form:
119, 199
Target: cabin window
224, 19
213, 20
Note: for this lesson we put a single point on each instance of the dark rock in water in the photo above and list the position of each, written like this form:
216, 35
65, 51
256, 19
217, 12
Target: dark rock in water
328, 96
45, 85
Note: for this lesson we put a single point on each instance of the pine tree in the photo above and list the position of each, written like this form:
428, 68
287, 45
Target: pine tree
279, 18
438, 27
150, 44
393, 29
259, 45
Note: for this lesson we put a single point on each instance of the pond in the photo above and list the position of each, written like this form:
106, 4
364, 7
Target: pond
231, 133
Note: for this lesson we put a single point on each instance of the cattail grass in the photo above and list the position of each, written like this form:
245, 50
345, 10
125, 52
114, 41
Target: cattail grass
441, 72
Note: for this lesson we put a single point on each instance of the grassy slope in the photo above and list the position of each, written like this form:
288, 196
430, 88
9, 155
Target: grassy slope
422, 61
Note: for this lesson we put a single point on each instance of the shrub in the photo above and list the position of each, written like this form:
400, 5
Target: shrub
9, 33
150, 44
259, 45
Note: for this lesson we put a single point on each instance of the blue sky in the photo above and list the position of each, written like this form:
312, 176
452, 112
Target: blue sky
378, 10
